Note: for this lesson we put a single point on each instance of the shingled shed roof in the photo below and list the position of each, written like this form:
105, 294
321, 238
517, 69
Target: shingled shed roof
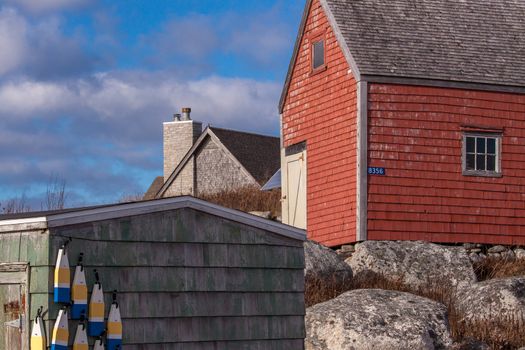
468, 41
259, 154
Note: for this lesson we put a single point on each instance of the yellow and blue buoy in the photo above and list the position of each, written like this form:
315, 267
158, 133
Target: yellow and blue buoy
38, 335
81, 341
96, 309
60, 331
79, 292
62, 282
114, 336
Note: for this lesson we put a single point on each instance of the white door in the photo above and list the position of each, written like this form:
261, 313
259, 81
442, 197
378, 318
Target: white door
294, 189
13, 307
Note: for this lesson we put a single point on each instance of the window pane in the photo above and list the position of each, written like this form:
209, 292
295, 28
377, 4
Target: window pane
491, 146
318, 54
470, 162
491, 163
480, 141
471, 144
480, 161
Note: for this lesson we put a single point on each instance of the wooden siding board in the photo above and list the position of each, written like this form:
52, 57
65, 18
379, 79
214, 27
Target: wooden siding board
183, 279
182, 254
212, 329
197, 304
416, 135
175, 226
282, 344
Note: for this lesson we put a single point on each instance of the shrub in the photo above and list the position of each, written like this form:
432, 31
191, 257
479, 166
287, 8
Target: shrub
248, 198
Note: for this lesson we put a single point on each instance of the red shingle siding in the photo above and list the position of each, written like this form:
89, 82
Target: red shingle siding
321, 110
415, 133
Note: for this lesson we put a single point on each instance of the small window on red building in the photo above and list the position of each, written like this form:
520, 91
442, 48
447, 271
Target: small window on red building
318, 54
481, 154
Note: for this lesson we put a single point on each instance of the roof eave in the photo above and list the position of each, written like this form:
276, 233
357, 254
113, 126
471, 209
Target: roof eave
454, 84
141, 208
23, 225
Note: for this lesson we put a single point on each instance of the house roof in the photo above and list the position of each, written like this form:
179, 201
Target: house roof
258, 155
44, 220
467, 41
154, 188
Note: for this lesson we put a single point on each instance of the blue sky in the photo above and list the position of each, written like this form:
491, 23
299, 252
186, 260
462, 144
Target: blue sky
86, 84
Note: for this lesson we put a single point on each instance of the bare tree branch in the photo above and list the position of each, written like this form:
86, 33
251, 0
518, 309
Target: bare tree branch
55, 194
16, 205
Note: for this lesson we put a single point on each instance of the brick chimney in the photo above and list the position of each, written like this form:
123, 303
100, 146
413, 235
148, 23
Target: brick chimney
179, 136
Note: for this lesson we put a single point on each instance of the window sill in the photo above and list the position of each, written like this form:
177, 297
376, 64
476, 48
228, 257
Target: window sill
481, 173
318, 70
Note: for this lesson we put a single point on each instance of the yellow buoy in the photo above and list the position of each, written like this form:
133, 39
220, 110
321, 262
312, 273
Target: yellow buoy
38, 335
60, 336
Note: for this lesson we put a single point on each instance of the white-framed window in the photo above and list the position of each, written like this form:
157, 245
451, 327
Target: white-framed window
482, 154
318, 54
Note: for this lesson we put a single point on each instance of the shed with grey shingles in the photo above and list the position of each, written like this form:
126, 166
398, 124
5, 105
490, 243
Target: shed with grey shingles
190, 274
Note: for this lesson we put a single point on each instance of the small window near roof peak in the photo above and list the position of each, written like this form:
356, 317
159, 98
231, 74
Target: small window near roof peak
318, 54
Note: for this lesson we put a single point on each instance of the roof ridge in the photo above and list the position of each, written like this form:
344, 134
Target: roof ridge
242, 132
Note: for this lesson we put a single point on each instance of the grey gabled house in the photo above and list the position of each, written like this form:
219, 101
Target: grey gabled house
207, 161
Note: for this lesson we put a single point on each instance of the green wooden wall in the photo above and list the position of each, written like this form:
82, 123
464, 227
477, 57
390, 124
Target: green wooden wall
187, 280
31, 247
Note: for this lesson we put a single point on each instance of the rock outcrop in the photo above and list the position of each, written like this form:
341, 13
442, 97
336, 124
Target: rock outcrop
377, 319
323, 264
413, 263
499, 297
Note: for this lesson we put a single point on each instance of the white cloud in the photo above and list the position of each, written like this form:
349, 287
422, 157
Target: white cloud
138, 102
13, 48
27, 98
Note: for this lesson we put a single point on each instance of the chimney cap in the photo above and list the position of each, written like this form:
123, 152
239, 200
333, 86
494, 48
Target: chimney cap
186, 110
176, 117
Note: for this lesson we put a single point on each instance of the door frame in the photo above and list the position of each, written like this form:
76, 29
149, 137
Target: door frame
18, 273
290, 154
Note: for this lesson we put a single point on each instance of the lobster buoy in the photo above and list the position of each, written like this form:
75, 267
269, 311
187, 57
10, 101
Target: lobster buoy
60, 331
62, 281
99, 344
114, 335
79, 292
96, 309
81, 340
38, 335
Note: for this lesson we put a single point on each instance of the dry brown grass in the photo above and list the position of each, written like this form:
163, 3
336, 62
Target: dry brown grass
318, 290
249, 198
498, 332
493, 267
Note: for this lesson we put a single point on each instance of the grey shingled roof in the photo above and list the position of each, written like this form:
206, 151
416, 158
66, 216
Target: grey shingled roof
155, 186
259, 154
464, 41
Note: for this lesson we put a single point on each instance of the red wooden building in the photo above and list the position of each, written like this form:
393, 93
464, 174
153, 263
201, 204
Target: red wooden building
405, 120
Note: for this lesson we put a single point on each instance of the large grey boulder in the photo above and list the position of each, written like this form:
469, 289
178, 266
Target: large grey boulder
414, 263
377, 319
322, 263
499, 297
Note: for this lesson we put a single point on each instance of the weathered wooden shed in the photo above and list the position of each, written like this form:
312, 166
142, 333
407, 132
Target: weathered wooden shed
190, 274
